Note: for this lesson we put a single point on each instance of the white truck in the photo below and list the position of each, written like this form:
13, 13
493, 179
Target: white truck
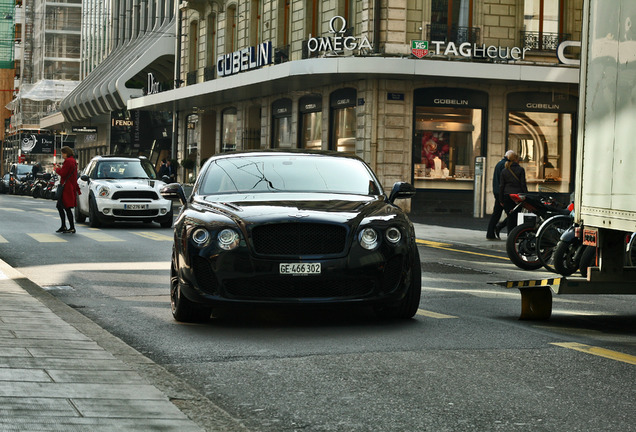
605, 191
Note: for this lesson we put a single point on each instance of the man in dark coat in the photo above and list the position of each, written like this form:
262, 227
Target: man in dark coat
494, 226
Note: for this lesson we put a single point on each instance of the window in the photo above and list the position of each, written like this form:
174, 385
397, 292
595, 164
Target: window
255, 22
310, 122
449, 127
343, 120
452, 21
540, 130
229, 120
192, 142
542, 21
284, 16
193, 40
447, 142
281, 123
311, 21
210, 41
230, 29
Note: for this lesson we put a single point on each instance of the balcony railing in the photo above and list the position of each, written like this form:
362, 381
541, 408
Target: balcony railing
191, 78
458, 35
542, 41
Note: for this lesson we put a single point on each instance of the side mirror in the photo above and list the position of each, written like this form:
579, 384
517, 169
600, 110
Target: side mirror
85, 178
174, 192
401, 190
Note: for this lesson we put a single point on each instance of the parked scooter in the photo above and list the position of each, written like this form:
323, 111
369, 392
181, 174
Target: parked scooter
521, 244
40, 184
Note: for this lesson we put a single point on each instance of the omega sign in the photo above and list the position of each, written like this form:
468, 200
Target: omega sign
338, 41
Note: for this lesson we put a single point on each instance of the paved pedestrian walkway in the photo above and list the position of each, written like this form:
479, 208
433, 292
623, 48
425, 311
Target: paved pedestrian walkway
59, 371
54, 377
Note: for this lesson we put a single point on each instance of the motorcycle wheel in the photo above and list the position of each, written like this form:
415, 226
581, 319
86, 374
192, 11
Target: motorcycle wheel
521, 247
548, 237
567, 257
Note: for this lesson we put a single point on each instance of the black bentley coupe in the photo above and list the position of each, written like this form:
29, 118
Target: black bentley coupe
295, 228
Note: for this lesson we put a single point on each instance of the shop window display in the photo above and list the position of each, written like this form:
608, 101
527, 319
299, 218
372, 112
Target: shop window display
447, 140
543, 141
228, 128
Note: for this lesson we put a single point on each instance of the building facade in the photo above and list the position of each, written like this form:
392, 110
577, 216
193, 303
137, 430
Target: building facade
428, 91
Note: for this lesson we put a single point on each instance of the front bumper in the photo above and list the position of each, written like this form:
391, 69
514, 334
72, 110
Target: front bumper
372, 277
133, 209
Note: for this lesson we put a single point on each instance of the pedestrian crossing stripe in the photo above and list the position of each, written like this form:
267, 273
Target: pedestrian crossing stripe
47, 238
3, 240
101, 237
153, 236
10, 209
47, 210
533, 283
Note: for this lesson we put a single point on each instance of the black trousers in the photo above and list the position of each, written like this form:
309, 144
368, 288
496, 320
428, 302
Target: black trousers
64, 211
497, 210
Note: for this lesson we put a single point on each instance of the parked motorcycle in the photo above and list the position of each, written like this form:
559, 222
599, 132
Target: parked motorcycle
521, 244
40, 184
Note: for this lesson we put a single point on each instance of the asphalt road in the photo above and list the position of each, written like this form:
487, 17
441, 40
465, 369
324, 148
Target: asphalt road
465, 363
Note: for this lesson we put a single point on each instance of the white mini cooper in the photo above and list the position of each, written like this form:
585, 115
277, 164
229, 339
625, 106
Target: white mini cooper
116, 188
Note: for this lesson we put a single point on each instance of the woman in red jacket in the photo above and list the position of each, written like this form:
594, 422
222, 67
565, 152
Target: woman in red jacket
68, 180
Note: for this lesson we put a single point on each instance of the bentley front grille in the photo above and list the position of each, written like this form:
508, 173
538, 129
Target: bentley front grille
299, 239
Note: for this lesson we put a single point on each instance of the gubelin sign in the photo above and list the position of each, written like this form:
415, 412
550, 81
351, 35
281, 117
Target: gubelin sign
244, 60
339, 40
421, 49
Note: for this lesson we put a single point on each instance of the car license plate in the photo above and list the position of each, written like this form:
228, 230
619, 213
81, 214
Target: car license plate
300, 268
135, 206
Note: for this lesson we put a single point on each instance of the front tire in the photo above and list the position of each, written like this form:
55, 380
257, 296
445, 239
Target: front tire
521, 247
184, 310
92, 214
409, 305
567, 256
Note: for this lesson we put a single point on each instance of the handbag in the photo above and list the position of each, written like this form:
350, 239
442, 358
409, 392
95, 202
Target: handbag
59, 191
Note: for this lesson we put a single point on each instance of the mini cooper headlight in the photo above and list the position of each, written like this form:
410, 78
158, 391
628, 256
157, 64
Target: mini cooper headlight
393, 235
228, 239
368, 238
200, 237
103, 191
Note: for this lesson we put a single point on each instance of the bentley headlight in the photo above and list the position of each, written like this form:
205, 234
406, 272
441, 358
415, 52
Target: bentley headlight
368, 238
393, 235
200, 237
103, 191
228, 239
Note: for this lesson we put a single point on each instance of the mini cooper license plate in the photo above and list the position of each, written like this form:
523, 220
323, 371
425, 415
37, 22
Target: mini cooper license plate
300, 268
135, 206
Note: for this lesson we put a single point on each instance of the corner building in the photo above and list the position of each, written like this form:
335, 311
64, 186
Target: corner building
429, 91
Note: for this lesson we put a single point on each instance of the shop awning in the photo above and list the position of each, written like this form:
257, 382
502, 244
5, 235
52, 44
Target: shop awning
104, 89
312, 73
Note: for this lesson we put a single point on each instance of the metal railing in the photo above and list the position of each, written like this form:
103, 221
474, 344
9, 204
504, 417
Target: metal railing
458, 35
542, 41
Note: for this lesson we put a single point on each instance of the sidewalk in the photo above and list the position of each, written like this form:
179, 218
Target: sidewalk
59, 371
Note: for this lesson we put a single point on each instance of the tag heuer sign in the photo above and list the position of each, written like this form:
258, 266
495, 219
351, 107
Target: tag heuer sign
419, 48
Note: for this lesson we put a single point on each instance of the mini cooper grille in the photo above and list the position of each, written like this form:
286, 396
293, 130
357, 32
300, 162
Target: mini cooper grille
203, 274
133, 194
133, 213
299, 239
298, 287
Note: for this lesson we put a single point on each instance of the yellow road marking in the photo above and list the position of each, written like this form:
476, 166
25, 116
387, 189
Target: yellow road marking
3, 240
47, 238
601, 352
436, 315
437, 245
153, 236
101, 237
